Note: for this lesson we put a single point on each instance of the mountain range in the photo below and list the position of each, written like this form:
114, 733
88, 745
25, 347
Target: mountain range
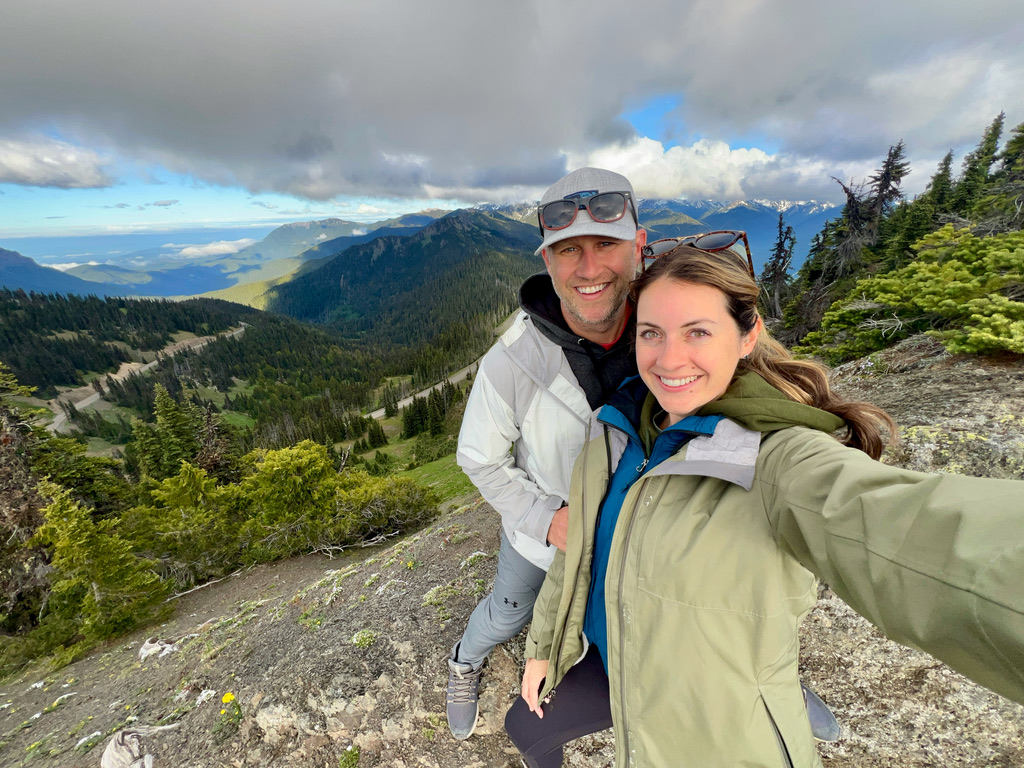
256, 273
17, 271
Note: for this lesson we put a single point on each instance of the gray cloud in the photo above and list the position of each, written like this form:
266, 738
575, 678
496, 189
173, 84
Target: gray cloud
490, 100
45, 162
164, 203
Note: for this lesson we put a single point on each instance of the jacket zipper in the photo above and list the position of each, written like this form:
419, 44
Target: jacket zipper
557, 657
639, 471
622, 622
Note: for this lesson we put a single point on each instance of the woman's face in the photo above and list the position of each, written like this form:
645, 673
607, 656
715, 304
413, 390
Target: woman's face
687, 345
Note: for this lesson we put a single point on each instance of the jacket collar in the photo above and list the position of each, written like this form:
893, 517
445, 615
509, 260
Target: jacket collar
728, 453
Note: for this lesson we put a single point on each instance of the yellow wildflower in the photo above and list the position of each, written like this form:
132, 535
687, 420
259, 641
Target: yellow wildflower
228, 697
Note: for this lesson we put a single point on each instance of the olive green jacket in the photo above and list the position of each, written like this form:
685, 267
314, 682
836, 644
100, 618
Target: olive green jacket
713, 564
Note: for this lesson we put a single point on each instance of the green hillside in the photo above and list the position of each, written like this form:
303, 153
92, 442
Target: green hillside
434, 296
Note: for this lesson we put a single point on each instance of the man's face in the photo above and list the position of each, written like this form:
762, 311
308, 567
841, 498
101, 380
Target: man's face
591, 276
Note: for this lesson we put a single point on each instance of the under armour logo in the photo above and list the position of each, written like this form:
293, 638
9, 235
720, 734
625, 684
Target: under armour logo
514, 603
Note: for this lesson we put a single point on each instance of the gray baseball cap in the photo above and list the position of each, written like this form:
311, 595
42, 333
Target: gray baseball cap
582, 184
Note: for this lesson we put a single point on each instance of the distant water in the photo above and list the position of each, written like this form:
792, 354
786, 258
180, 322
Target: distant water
103, 248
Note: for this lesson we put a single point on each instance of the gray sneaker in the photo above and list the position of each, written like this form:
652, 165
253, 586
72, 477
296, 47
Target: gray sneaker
463, 682
824, 725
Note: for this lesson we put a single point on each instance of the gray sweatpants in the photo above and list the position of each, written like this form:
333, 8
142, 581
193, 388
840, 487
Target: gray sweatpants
502, 614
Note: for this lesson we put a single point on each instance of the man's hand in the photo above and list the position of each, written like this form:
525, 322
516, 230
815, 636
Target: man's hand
533, 678
558, 531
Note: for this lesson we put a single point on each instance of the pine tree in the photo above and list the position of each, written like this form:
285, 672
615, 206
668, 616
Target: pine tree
175, 437
376, 437
435, 413
775, 276
22, 568
976, 168
216, 455
97, 581
1000, 208
390, 398
885, 184
940, 188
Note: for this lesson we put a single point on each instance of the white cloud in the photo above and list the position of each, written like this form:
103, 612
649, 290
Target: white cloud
71, 265
219, 248
44, 162
706, 169
365, 209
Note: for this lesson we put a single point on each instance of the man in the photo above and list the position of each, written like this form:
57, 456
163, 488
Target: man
527, 416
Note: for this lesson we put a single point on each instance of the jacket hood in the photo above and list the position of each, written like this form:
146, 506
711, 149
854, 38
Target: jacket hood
755, 404
538, 299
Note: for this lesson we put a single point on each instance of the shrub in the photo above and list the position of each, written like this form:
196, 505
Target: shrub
96, 577
963, 289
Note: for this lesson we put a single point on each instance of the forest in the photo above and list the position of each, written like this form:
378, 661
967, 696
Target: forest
50, 340
256, 447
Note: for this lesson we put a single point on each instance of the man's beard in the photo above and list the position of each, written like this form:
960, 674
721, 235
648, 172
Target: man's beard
573, 306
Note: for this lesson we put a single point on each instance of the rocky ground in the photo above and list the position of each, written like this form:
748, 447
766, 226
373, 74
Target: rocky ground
341, 663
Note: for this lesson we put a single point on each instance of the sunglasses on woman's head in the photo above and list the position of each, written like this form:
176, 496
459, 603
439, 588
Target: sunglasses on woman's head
711, 242
603, 208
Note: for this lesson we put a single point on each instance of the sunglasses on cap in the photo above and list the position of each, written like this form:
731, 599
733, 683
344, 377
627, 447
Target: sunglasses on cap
604, 208
711, 242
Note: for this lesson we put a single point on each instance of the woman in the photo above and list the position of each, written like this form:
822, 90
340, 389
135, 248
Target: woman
710, 497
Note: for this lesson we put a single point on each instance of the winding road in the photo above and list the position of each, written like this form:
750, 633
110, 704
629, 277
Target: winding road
82, 397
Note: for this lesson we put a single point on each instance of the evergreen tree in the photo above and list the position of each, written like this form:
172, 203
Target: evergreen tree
885, 183
940, 187
174, 438
188, 527
1000, 207
390, 399
22, 568
976, 169
415, 417
97, 582
435, 412
907, 224
376, 437
217, 455
775, 276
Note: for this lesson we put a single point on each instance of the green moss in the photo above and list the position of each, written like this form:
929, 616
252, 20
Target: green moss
350, 759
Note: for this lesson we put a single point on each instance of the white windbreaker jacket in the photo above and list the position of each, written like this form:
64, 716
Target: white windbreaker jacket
526, 421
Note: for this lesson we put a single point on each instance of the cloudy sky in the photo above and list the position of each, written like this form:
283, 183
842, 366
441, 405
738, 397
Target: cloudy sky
120, 115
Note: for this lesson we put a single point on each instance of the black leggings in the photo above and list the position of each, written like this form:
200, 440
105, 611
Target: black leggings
579, 706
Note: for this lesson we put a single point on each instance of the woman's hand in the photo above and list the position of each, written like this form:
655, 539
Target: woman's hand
533, 679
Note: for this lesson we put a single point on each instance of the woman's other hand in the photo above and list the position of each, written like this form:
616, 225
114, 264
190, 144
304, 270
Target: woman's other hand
533, 678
